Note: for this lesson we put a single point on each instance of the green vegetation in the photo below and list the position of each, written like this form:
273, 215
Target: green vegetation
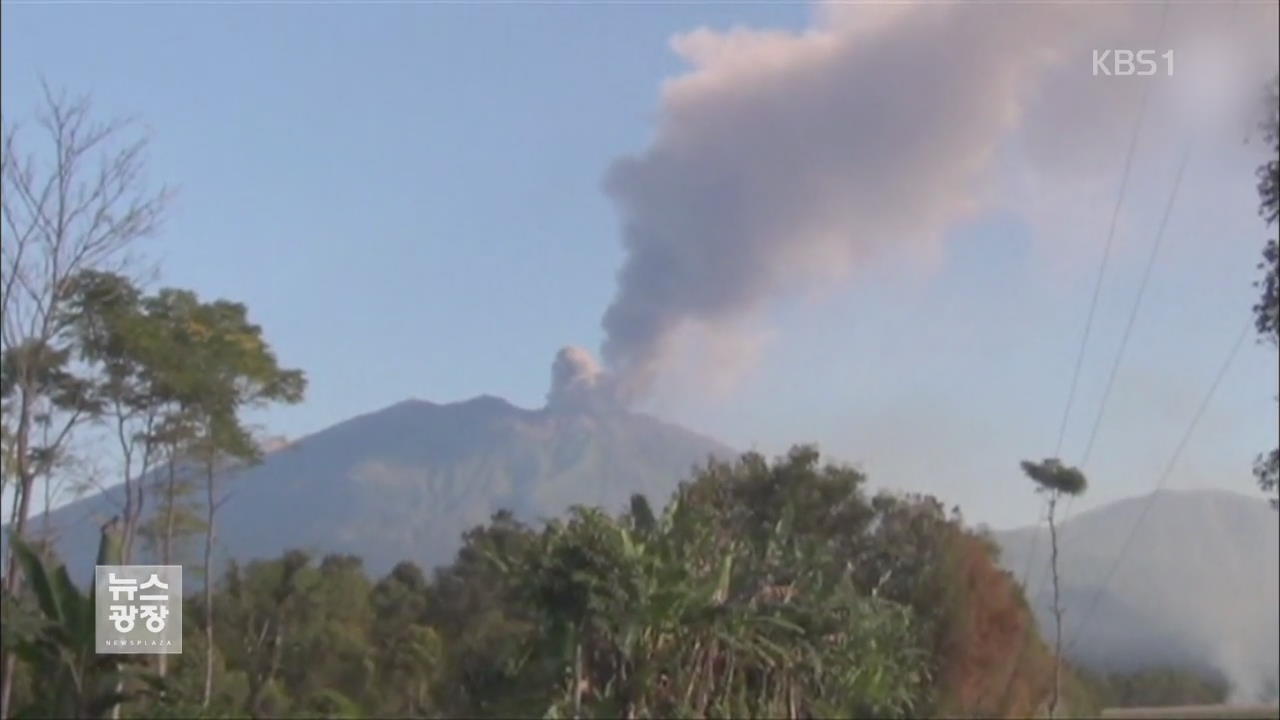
1267, 310
763, 589
1157, 687
56, 639
168, 375
72, 202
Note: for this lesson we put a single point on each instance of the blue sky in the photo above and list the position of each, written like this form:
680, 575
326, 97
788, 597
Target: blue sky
409, 200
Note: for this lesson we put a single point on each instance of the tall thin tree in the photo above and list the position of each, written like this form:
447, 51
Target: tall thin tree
122, 348
73, 198
1056, 480
225, 367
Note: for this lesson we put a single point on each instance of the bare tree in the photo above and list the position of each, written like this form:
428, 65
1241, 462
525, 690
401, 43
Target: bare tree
73, 199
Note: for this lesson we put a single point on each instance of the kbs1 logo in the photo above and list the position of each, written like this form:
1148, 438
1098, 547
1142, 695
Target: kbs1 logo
138, 609
1127, 63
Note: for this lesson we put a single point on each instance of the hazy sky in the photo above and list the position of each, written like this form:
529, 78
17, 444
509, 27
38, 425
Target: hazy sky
412, 201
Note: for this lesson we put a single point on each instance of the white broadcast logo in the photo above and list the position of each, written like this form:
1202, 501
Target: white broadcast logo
138, 608
124, 615
1124, 63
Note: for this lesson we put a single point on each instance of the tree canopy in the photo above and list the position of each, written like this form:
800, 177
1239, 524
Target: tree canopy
1267, 310
762, 589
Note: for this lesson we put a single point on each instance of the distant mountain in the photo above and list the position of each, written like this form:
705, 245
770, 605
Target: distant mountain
1198, 586
405, 482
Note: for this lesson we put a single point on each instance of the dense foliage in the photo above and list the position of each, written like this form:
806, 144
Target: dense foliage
763, 589
1157, 687
1267, 310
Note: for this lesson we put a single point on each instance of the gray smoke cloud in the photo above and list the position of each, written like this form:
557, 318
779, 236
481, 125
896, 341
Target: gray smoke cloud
578, 382
786, 160
783, 159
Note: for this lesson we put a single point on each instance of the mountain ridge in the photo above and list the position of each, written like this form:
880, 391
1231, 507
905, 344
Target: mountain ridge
405, 481
1197, 586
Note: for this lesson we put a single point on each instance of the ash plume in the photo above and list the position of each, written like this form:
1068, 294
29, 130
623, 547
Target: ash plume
578, 383
785, 160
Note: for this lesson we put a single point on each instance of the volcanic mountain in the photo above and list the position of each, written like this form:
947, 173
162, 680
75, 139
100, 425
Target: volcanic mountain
405, 482
1197, 585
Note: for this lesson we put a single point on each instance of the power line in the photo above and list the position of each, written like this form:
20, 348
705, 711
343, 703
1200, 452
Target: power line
1102, 271
1155, 249
1235, 14
1130, 151
1163, 478
1128, 330
1133, 312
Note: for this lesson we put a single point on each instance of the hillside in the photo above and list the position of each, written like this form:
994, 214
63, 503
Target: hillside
1198, 586
406, 481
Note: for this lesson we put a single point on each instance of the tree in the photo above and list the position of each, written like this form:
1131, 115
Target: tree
178, 514
75, 681
474, 604
221, 366
257, 606
409, 652
408, 665
76, 201
334, 657
763, 589
1267, 310
743, 599
1056, 480
120, 345
168, 314
203, 364
768, 589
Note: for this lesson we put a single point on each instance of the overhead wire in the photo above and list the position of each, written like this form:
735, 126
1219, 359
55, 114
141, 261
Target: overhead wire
1162, 479
1126, 173
1156, 245
1182, 443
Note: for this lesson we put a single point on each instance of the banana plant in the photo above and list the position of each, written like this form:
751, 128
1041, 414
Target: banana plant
72, 679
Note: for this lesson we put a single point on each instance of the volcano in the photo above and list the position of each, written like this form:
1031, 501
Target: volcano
404, 482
